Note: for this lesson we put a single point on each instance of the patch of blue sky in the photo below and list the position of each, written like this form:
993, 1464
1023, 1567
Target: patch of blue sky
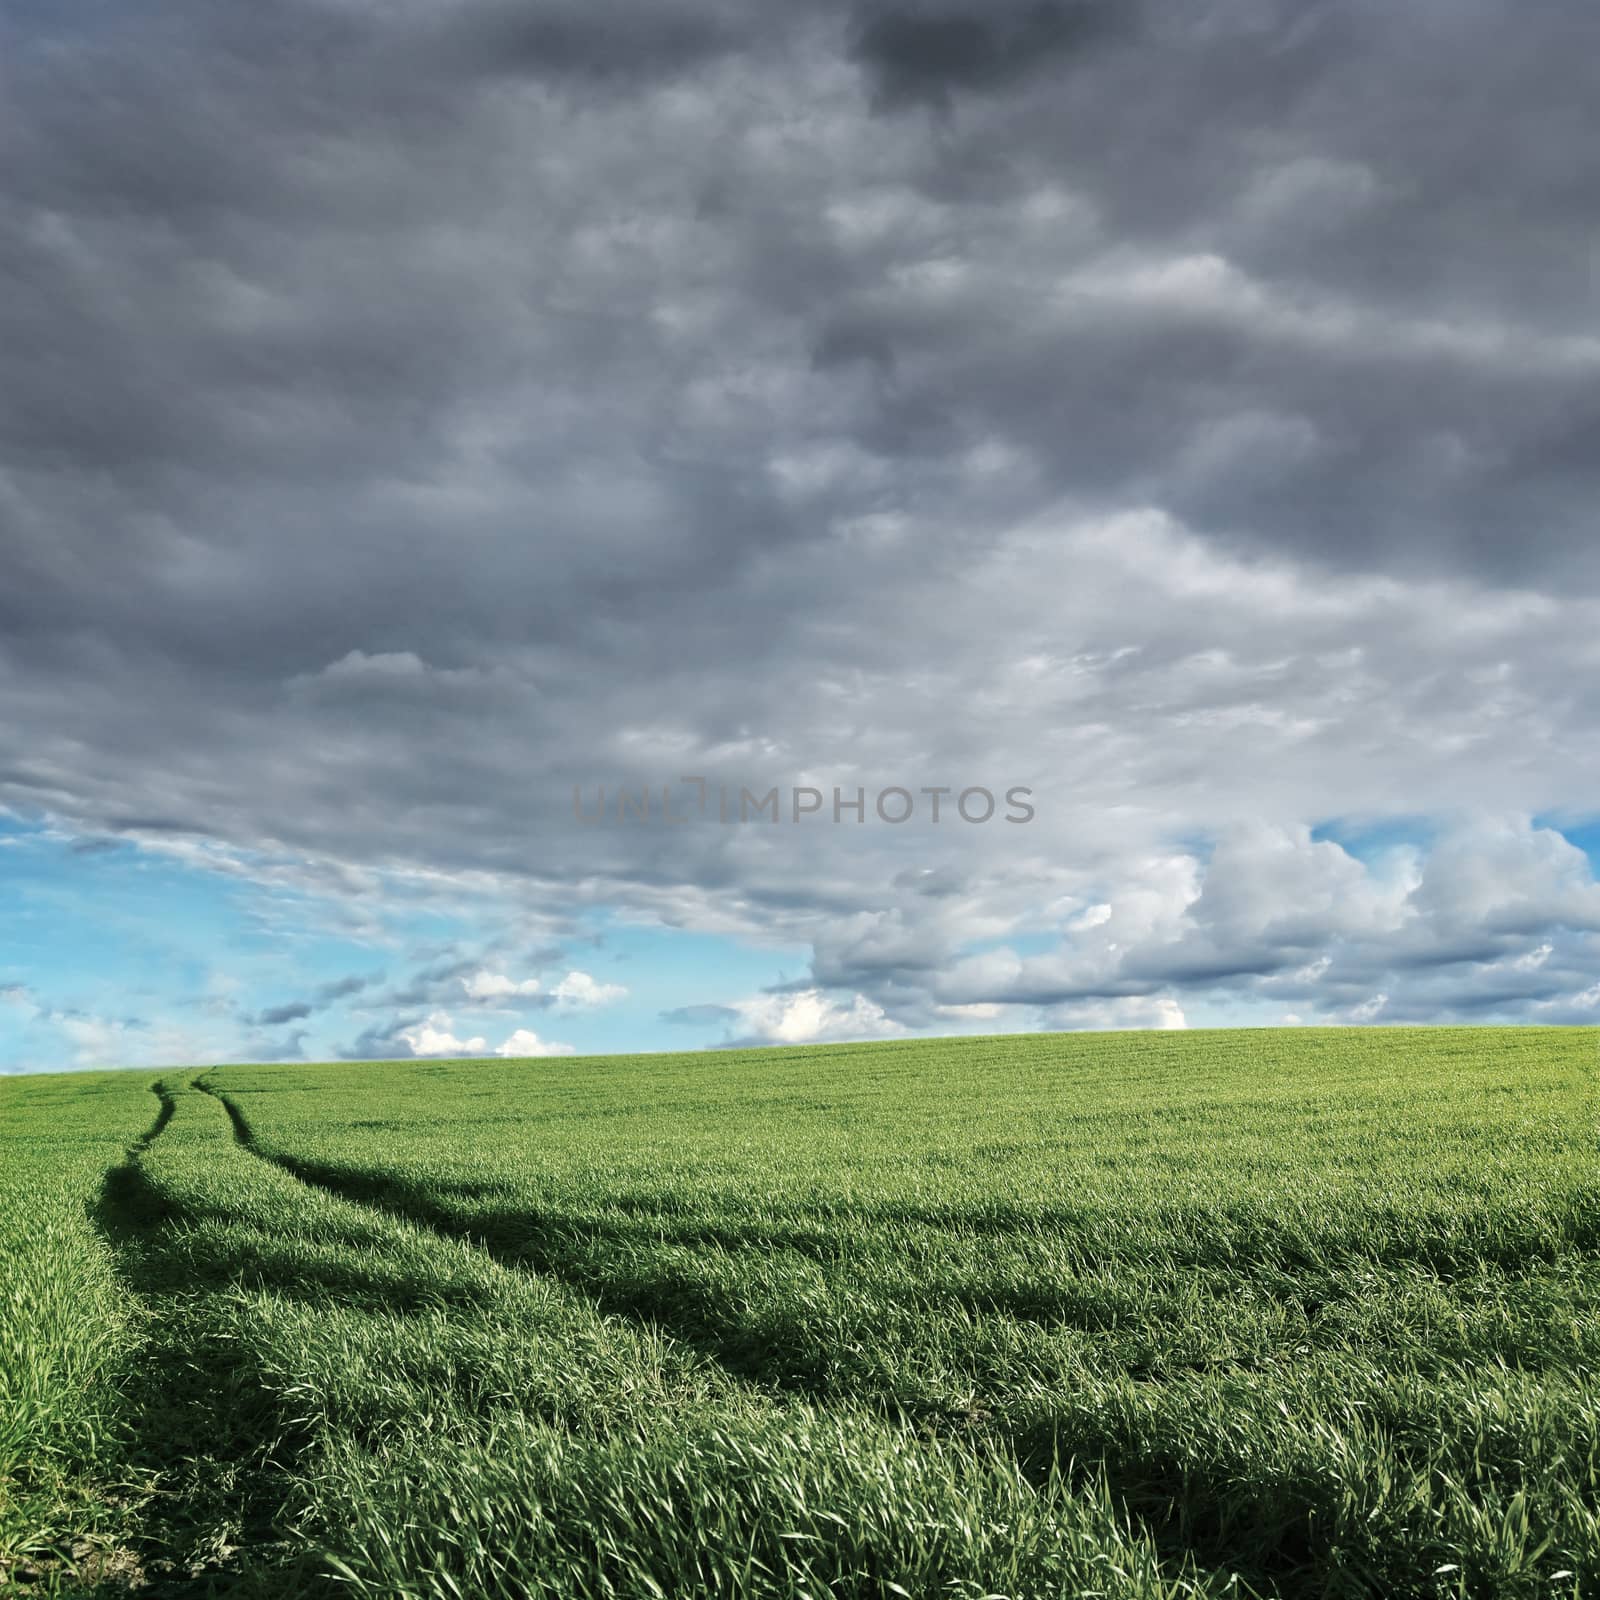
665, 970
1579, 828
1371, 838
106, 928
155, 925
155, 942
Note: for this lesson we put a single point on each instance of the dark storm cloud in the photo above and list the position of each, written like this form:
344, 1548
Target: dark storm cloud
624, 43
926, 54
1188, 410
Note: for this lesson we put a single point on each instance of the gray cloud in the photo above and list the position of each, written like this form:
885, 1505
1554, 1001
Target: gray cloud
701, 1015
408, 417
925, 55
281, 1047
275, 1016
382, 1041
626, 44
344, 988
326, 994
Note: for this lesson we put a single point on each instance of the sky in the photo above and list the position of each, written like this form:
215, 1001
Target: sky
421, 424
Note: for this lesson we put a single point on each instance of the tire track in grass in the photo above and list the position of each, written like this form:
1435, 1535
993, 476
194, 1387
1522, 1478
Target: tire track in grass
169, 1104
208, 1438
241, 1129
747, 1369
696, 1321
1150, 1505
884, 1411
1196, 1512
385, 1199
69, 1506
781, 1356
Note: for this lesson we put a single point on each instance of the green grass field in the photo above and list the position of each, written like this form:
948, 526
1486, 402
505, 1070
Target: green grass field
1298, 1313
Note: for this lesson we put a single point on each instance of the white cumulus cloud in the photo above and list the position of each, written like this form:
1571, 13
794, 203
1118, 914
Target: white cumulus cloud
525, 1042
432, 1037
578, 991
809, 1016
497, 986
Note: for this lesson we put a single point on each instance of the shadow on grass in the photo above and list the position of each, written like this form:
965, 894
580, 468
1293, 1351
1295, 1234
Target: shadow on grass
1278, 1531
1268, 1541
204, 1428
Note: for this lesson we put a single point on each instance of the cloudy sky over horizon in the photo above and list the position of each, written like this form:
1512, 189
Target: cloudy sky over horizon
1188, 412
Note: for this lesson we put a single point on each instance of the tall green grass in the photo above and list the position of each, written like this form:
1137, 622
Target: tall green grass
1304, 1313
67, 1326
